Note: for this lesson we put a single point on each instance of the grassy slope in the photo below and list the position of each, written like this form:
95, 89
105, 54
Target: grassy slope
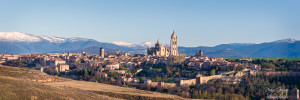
22, 83
18, 84
116, 91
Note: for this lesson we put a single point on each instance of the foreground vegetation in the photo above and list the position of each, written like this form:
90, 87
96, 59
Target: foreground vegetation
116, 91
277, 64
17, 84
249, 87
23, 83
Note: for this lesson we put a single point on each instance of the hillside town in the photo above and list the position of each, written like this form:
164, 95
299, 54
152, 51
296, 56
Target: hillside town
162, 68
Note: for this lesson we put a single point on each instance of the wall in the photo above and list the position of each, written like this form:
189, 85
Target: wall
199, 80
159, 84
204, 79
187, 82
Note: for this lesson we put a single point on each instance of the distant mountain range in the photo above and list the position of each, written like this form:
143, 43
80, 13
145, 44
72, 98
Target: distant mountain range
286, 48
23, 43
135, 45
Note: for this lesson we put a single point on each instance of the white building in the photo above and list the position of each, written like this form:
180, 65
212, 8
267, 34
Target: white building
112, 66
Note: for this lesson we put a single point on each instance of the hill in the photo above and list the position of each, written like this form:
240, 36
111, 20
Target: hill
23, 83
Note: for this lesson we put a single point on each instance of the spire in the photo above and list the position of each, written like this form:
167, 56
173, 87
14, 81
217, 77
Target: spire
173, 34
158, 40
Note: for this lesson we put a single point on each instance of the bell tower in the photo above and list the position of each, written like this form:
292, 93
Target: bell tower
173, 44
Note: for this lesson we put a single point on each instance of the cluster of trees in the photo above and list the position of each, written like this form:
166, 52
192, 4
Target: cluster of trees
166, 73
277, 64
175, 60
17, 63
251, 87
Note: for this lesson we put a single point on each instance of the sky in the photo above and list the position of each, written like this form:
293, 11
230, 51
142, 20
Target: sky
196, 22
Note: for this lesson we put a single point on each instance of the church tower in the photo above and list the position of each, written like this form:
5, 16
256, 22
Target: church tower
101, 53
173, 44
118, 52
200, 53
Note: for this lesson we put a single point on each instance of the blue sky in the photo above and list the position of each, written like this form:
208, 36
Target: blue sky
196, 22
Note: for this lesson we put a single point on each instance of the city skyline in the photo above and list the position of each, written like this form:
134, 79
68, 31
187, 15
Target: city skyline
149, 49
197, 23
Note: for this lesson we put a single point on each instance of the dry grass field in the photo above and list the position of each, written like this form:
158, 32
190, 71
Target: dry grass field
19, 84
22, 83
116, 91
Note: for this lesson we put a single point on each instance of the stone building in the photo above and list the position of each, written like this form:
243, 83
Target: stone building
163, 51
62, 67
159, 50
174, 47
112, 66
56, 62
101, 53
200, 53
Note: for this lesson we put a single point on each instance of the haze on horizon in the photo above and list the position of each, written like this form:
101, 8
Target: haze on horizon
197, 23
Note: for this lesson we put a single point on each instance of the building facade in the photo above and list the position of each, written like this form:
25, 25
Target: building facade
163, 51
159, 50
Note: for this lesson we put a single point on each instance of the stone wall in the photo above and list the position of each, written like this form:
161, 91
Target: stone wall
187, 82
204, 79
159, 84
168, 85
198, 80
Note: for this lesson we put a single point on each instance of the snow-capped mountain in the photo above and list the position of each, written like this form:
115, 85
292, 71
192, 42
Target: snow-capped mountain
23, 43
18, 43
288, 40
18, 37
142, 45
24, 37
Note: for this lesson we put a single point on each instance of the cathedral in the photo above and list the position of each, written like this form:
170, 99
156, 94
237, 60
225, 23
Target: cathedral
163, 51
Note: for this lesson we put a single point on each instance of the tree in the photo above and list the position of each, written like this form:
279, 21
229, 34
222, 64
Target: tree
173, 60
213, 72
220, 91
267, 65
85, 72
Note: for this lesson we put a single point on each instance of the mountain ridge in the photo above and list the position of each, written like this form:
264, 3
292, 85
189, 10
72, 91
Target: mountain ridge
23, 43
